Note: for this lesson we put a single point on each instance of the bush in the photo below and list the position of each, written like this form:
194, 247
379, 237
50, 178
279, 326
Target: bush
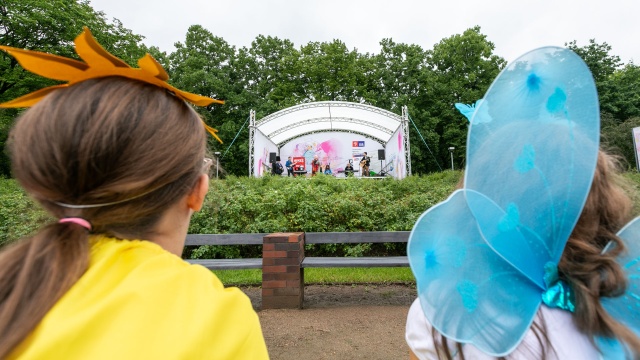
20, 216
318, 204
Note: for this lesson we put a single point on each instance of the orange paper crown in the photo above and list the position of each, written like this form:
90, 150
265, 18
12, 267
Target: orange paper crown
98, 63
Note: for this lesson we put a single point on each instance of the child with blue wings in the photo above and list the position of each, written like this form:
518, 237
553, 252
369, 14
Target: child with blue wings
531, 257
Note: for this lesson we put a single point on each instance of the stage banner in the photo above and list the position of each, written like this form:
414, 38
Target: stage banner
262, 146
333, 148
636, 145
396, 158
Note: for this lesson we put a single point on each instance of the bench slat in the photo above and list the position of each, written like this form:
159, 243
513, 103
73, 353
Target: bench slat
323, 262
224, 239
228, 264
356, 237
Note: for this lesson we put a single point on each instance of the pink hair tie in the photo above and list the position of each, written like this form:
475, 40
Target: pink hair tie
76, 220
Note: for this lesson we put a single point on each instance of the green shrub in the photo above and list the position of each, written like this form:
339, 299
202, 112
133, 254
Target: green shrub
19, 215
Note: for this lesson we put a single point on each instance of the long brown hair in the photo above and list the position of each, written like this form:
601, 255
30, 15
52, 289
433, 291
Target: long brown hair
591, 273
102, 141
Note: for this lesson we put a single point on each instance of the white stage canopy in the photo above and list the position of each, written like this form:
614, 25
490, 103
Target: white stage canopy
278, 129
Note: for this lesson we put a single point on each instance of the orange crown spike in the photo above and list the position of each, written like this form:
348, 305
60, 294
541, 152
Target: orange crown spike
98, 63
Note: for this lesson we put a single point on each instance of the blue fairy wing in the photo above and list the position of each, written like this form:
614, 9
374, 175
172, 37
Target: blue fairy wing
626, 308
468, 292
479, 257
532, 151
466, 110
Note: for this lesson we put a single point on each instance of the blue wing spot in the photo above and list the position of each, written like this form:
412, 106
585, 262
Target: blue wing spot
430, 260
533, 81
511, 219
460, 256
556, 102
469, 293
526, 161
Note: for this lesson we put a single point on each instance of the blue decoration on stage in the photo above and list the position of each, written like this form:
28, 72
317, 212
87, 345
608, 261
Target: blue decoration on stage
532, 149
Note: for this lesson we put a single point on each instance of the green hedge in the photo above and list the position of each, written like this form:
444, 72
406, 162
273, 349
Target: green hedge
274, 204
281, 204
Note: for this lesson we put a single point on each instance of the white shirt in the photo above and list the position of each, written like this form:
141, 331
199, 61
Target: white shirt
565, 338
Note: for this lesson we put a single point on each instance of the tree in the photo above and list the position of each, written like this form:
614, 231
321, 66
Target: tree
329, 72
462, 69
51, 26
617, 137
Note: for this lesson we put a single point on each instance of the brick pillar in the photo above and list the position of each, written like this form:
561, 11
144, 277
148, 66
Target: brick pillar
282, 276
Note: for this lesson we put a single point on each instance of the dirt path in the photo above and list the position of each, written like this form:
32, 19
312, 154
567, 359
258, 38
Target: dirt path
339, 322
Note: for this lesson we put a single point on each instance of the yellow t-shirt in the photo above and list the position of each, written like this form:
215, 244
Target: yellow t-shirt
138, 301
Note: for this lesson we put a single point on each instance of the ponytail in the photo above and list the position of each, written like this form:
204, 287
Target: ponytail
34, 274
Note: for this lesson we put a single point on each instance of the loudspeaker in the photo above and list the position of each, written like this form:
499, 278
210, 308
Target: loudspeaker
381, 154
272, 157
277, 158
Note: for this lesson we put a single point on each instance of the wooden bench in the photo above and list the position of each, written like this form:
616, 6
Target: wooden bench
310, 238
226, 239
283, 260
356, 238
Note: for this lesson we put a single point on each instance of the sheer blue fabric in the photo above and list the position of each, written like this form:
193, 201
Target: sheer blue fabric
626, 308
479, 257
468, 110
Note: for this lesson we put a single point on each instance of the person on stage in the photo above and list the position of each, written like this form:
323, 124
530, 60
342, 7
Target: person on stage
348, 170
365, 162
315, 165
289, 166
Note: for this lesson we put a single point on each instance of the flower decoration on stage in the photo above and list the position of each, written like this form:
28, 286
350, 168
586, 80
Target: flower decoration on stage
486, 258
97, 63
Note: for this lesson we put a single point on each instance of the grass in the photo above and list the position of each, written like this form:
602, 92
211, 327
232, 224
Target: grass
325, 276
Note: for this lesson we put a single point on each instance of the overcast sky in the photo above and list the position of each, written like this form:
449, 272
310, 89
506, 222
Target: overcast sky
514, 26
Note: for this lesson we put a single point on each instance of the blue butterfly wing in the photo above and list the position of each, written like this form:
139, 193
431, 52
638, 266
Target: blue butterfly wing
534, 155
466, 110
461, 281
626, 308
479, 257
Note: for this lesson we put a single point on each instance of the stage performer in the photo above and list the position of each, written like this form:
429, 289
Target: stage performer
531, 257
315, 165
117, 156
365, 162
348, 170
289, 166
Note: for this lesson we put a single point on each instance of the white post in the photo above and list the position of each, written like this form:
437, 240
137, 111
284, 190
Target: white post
217, 154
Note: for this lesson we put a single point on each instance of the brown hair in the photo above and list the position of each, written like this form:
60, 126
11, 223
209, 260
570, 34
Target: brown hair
109, 140
583, 265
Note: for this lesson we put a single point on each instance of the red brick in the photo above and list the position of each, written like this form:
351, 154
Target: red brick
293, 283
267, 292
286, 292
285, 246
293, 254
274, 284
268, 247
282, 302
274, 254
275, 238
274, 269
268, 261
293, 269
295, 237
280, 276
287, 261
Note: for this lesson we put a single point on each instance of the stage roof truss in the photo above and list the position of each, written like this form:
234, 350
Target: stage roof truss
335, 124
323, 116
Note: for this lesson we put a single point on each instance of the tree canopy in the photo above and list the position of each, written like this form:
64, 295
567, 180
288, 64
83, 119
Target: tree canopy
273, 74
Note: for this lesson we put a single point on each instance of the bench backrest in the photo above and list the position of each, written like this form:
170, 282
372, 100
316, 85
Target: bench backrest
310, 238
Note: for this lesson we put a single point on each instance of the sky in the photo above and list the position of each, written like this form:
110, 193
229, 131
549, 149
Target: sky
514, 26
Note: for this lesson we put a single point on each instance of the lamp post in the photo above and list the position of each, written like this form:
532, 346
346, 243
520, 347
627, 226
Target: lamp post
217, 154
451, 153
